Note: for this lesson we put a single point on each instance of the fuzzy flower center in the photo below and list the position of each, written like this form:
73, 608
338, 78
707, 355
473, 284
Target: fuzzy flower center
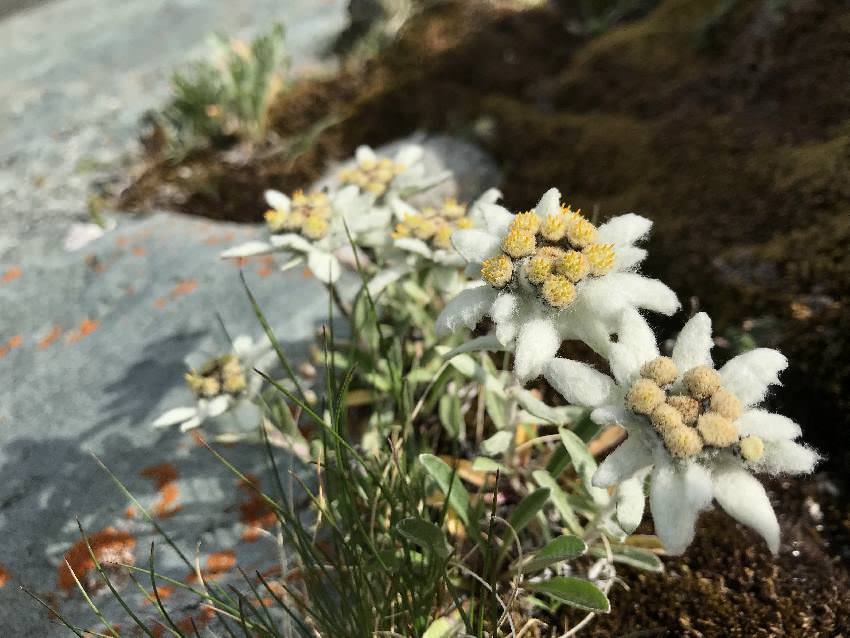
554, 254
219, 376
434, 226
373, 175
699, 416
308, 215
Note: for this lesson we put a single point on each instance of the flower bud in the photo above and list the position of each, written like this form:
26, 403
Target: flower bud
717, 430
702, 381
662, 370
644, 396
558, 291
497, 271
725, 403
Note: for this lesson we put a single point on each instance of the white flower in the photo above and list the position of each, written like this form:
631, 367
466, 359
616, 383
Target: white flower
697, 429
427, 232
550, 275
222, 385
314, 226
400, 176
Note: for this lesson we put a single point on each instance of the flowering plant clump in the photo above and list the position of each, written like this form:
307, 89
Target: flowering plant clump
550, 275
698, 429
435, 416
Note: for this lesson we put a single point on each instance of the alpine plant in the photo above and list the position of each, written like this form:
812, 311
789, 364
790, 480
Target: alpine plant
549, 275
697, 432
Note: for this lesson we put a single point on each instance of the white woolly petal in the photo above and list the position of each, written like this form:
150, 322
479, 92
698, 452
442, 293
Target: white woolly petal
386, 277
744, 498
677, 496
364, 154
549, 204
627, 257
175, 416
277, 200
693, 345
635, 346
475, 245
399, 207
630, 457
217, 406
768, 426
631, 502
609, 414
409, 155
350, 197
248, 249
787, 457
624, 229
243, 345
536, 345
191, 424
610, 294
291, 241
416, 246
324, 265
490, 196
579, 383
466, 309
581, 323
365, 221
504, 315
496, 219
748, 375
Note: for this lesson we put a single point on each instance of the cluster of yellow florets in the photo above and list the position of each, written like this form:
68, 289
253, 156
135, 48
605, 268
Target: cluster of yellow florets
435, 225
702, 417
556, 252
219, 376
308, 215
373, 175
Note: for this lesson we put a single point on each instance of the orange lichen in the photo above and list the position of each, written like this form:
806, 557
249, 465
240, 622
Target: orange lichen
266, 266
4, 577
86, 327
109, 545
164, 477
183, 288
11, 274
216, 565
10, 345
139, 251
48, 339
254, 512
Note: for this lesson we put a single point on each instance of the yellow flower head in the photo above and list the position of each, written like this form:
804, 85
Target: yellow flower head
554, 227
573, 265
687, 406
452, 209
538, 268
497, 271
581, 232
376, 187
662, 370
425, 228
682, 442
726, 404
665, 417
702, 381
528, 221
464, 223
443, 237
752, 448
275, 219
558, 291
519, 242
315, 227
644, 396
600, 257
717, 430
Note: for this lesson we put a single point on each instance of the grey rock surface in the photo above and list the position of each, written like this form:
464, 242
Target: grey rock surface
76, 76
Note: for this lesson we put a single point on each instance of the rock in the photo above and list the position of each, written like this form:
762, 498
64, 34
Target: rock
75, 78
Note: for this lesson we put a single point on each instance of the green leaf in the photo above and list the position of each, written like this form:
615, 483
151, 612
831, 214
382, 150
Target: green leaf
471, 369
497, 443
559, 549
449, 483
584, 464
450, 415
575, 592
487, 342
483, 464
424, 533
442, 628
632, 556
557, 415
559, 498
527, 508
497, 409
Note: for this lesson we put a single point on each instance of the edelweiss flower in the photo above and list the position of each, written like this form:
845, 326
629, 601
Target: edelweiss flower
551, 275
313, 225
221, 385
401, 175
428, 232
696, 429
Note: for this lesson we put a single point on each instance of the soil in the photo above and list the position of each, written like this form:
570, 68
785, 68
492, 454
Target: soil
725, 121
